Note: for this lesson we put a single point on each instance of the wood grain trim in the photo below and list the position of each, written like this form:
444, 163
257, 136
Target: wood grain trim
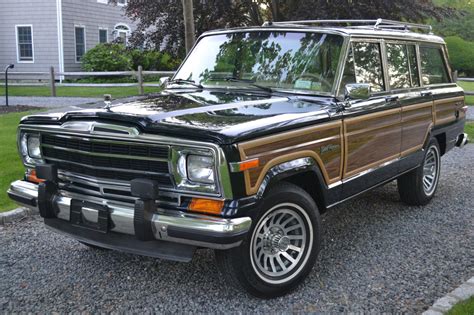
346, 136
449, 100
416, 106
250, 190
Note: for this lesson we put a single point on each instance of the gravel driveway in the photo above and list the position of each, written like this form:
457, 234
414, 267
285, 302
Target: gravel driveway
378, 255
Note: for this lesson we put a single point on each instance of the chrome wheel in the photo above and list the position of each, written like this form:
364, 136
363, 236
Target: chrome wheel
431, 171
280, 243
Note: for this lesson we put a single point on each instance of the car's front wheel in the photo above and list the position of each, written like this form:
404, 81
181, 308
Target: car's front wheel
281, 248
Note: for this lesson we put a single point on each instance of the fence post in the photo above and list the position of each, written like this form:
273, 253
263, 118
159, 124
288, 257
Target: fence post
52, 82
455, 75
140, 80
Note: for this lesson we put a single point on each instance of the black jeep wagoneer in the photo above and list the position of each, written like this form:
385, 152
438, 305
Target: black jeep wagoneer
259, 132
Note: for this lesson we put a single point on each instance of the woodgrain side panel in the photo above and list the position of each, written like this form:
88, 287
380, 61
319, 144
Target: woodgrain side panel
323, 143
445, 109
371, 140
417, 121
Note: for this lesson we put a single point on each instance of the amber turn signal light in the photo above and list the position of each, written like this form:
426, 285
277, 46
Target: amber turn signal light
31, 177
207, 206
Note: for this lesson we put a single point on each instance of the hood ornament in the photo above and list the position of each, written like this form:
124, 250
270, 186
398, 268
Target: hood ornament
107, 101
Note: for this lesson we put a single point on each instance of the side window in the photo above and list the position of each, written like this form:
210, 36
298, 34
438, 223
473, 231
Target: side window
402, 66
433, 68
412, 62
368, 65
398, 68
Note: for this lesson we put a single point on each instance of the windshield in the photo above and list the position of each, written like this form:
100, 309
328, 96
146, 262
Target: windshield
265, 59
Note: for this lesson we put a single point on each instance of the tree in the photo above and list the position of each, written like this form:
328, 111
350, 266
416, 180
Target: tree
161, 23
188, 16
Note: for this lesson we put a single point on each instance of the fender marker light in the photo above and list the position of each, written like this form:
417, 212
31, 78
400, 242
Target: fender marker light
244, 165
31, 177
208, 206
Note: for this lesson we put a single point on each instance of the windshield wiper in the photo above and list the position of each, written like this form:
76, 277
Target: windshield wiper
184, 81
249, 81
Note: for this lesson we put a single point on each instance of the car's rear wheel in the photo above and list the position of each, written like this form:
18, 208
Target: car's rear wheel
281, 248
419, 186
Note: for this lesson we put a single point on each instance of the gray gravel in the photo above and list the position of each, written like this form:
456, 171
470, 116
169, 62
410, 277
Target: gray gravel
378, 255
470, 113
49, 102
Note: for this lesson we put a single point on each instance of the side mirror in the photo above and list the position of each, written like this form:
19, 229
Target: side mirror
164, 81
357, 91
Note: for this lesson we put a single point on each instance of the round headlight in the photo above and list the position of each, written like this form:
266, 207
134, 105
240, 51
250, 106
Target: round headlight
33, 145
201, 169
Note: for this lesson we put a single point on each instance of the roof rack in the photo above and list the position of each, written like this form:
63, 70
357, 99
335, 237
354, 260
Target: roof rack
379, 24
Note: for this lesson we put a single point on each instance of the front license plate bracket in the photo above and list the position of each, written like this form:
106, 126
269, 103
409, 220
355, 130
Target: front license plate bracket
78, 218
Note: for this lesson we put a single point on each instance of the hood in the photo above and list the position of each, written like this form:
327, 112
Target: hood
221, 116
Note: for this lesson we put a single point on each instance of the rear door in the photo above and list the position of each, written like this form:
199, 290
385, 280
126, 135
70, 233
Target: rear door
404, 83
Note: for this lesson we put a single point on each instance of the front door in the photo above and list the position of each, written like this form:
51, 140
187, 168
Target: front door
372, 128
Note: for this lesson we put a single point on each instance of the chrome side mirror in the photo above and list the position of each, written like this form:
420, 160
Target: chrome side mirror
357, 91
164, 81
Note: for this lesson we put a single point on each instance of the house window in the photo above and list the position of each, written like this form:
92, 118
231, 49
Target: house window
80, 35
122, 31
103, 36
25, 43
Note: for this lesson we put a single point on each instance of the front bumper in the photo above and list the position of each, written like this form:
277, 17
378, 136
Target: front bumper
168, 226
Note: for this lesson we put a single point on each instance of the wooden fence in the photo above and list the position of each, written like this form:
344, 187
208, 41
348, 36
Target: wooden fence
52, 77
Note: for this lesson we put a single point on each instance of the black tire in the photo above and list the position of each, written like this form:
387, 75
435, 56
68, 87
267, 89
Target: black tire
291, 224
415, 188
95, 247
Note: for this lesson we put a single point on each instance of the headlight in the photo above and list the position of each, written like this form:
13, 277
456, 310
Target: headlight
194, 169
201, 169
30, 148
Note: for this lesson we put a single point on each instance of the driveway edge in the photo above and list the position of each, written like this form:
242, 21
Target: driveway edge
16, 215
444, 304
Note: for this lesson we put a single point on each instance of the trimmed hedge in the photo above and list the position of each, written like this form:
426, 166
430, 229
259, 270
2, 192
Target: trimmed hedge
461, 55
117, 57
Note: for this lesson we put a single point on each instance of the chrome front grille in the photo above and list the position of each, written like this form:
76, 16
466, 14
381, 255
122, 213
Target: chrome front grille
107, 159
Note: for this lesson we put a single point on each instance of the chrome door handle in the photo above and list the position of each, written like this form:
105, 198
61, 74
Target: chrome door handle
391, 99
428, 93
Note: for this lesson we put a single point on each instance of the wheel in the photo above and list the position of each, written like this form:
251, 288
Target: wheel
418, 187
281, 247
95, 247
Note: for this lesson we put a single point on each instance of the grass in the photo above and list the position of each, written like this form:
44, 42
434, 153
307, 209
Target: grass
462, 308
469, 129
468, 86
11, 167
98, 92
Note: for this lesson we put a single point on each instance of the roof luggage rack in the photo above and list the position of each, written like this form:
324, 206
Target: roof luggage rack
379, 24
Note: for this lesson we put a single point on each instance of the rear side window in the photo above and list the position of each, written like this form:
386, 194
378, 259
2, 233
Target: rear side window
368, 65
433, 68
402, 66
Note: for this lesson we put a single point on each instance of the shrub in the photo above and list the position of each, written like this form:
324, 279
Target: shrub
107, 57
117, 57
461, 54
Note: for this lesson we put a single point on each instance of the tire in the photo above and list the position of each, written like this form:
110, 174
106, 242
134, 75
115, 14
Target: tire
281, 247
418, 187
95, 247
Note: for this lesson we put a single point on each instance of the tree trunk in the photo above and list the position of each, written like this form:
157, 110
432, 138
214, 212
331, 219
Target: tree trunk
188, 15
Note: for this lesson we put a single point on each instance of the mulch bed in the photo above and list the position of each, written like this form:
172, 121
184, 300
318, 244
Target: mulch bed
17, 108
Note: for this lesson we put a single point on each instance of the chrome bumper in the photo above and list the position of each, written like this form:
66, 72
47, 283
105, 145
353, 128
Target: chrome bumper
170, 226
462, 140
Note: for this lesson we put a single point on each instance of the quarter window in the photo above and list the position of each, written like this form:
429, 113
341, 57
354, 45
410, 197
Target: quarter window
80, 43
368, 65
433, 67
402, 66
25, 43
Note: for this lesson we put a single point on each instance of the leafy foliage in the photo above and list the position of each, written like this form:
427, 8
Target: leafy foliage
160, 22
460, 53
117, 57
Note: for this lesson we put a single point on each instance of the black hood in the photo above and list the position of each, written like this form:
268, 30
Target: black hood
220, 116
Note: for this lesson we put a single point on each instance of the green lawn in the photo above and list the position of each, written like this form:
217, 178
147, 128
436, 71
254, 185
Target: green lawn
463, 308
469, 129
11, 167
468, 86
117, 92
